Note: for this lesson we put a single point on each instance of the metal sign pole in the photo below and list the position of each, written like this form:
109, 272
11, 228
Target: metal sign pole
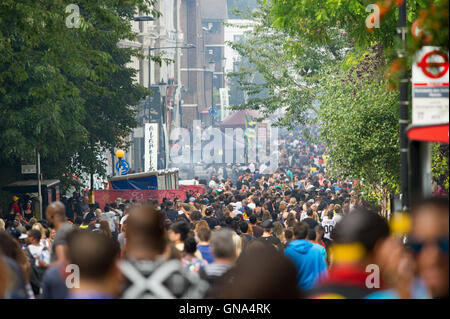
39, 182
404, 109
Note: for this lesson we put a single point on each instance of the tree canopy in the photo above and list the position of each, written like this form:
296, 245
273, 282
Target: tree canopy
67, 90
322, 63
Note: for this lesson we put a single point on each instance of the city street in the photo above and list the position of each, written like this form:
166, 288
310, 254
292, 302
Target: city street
212, 150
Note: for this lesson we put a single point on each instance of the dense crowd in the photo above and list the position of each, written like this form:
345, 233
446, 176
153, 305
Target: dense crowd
290, 233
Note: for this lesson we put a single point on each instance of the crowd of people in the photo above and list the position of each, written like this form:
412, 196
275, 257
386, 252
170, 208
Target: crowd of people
292, 233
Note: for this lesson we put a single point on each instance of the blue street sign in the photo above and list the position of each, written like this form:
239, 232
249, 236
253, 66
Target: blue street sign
124, 167
212, 112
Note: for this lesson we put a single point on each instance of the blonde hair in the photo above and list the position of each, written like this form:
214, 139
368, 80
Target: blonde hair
237, 243
2, 224
38, 226
199, 224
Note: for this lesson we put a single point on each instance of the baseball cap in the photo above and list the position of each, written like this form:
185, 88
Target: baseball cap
192, 199
267, 224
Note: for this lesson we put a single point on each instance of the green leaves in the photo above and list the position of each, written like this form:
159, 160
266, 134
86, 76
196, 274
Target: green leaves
358, 118
69, 89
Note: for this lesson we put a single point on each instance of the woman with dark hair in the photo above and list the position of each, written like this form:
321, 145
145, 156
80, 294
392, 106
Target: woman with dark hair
178, 232
189, 260
27, 211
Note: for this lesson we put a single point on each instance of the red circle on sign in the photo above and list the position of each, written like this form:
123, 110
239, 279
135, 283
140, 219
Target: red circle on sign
424, 64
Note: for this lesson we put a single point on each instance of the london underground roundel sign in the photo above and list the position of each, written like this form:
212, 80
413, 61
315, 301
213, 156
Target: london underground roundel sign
432, 67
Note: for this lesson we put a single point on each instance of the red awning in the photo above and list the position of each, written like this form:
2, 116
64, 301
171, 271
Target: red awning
429, 133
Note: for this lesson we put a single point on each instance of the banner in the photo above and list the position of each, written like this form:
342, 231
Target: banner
103, 197
147, 183
151, 147
224, 103
250, 129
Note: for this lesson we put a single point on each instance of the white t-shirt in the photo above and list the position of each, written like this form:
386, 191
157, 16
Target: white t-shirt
262, 168
328, 225
40, 252
303, 215
212, 184
109, 217
35, 250
124, 218
119, 212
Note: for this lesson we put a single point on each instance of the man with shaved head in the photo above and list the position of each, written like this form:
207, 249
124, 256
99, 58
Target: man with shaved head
53, 283
148, 269
56, 215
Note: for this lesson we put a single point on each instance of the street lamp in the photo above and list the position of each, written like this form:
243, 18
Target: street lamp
162, 88
212, 68
163, 92
120, 154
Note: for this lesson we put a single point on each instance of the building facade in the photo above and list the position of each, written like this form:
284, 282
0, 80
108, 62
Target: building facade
189, 38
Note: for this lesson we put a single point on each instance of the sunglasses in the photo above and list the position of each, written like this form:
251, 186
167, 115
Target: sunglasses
417, 246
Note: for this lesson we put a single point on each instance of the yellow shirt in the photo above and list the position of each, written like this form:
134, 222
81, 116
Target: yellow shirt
325, 157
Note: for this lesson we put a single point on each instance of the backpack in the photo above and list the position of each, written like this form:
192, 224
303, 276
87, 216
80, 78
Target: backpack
36, 273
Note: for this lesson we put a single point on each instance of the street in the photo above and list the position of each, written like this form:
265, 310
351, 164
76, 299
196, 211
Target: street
215, 150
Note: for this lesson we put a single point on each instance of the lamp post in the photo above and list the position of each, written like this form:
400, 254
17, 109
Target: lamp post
39, 176
212, 68
163, 92
162, 85
120, 154
404, 107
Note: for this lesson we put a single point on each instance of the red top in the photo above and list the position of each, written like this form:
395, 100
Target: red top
16, 208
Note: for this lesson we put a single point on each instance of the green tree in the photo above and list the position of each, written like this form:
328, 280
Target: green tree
278, 71
65, 90
334, 83
358, 120
440, 153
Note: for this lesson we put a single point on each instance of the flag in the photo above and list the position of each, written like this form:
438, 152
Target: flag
250, 129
